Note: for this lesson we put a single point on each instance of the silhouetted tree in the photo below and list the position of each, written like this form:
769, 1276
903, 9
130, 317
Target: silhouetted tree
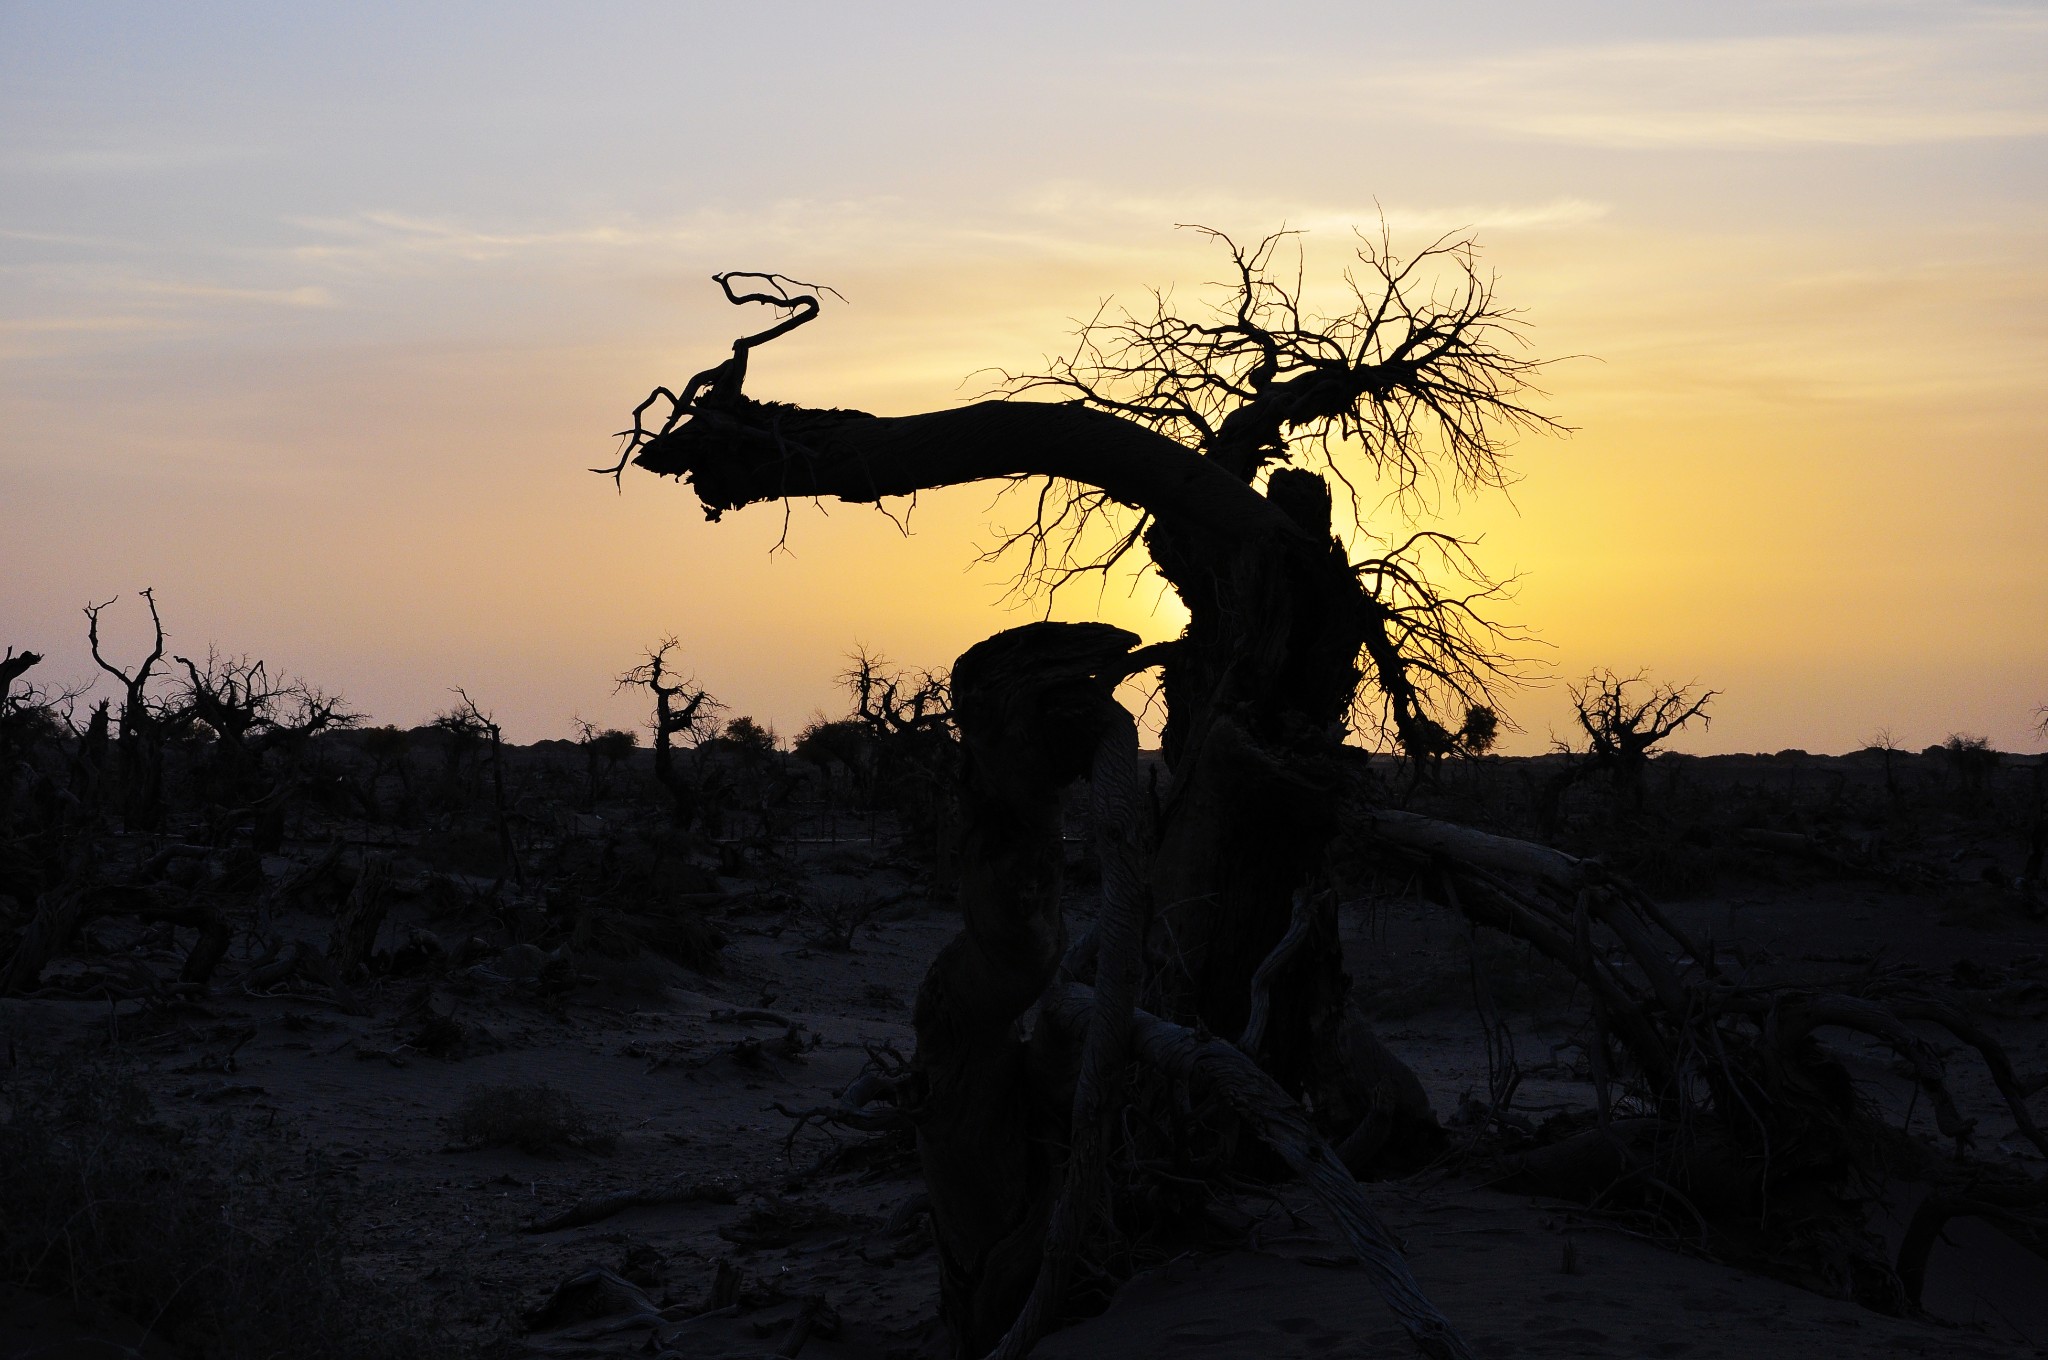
842, 742
251, 718
1887, 747
1625, 718
605, 750
139, 743
34, 723
683, 713
914, 748
747, 738
1971, 761
1186, 437
27, 713
12, 667
1480, 730
469, 728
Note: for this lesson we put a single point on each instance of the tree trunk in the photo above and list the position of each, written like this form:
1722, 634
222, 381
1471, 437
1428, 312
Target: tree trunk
990, 1120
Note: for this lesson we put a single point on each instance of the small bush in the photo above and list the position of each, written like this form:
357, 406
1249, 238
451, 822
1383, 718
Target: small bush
831, 919
536, 1119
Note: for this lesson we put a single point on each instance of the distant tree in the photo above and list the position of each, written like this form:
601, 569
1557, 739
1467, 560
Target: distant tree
748, 738
470, 728
1971, 760
842, 742
29, 713
684, 716
1479, 732
1626, 718
1887, 747
605, 750
140, 737
33, 720
250, 717
907, 716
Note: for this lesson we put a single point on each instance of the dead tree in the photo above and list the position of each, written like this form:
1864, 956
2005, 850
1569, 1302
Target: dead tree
1182, 432
907, 716
604, 751
139, 743
252, 718
466, 725
12, 667
1625, 718
1178, 423
22, 713
682, 711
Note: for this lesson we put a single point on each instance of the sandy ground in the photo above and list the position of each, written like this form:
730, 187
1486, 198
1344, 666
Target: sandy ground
690, 1069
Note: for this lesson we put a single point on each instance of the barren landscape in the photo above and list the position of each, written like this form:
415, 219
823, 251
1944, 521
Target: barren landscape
573, 1091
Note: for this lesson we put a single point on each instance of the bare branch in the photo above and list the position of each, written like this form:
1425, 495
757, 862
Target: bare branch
719, 387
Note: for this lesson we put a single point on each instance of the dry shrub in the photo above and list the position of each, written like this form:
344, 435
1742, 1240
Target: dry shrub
831, 919
209, 1248
534, 1118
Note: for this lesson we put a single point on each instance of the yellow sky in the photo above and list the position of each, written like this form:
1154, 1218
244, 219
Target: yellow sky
315, 329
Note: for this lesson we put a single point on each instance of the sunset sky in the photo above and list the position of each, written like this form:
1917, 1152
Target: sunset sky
312, 318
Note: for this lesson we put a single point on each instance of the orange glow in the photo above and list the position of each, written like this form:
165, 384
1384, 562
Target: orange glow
343, 421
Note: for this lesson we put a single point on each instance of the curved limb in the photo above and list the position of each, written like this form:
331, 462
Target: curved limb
720, 385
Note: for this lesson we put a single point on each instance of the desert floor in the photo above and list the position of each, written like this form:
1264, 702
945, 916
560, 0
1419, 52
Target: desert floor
800, 1242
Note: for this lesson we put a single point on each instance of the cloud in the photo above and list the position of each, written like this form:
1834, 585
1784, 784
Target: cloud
305, 296
1060, 220
120, 157
1083, 206
1970, 81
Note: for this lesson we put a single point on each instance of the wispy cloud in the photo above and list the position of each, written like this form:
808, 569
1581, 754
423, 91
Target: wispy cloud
78, 308
1086, 207
305, 296
1054, 220
383, 240
1975, 80
138, 154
